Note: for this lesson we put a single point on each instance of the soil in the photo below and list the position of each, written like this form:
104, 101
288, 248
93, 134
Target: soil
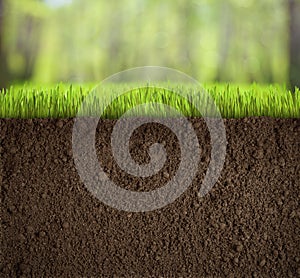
247, 225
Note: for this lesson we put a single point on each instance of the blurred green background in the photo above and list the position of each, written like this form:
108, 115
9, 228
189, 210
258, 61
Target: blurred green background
242, 41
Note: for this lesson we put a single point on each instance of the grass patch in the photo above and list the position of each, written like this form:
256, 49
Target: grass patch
233, 101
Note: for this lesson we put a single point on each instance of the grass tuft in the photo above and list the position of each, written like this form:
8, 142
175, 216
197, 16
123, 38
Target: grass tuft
233, 101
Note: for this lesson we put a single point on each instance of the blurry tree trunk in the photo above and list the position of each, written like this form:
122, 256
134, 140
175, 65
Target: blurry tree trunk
187, 11
224, 42
28, 45
294, 43
4, 75
115, 41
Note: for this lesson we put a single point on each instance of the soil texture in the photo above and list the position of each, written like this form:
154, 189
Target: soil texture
248, 225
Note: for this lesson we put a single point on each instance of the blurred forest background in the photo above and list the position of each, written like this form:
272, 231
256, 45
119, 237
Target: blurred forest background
47, 41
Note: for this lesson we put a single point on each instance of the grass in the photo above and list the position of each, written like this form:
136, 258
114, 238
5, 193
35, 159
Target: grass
233, 101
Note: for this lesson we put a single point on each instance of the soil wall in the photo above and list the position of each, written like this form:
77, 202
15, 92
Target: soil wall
248, 224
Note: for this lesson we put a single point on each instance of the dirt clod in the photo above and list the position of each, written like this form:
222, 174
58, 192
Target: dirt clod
59, 123
66, 225
239, 247
42, 234
262, 262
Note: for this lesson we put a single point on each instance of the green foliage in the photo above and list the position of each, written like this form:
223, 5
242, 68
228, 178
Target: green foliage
233, 101
230, 40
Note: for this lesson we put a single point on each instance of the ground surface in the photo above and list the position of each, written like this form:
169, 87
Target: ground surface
249, 224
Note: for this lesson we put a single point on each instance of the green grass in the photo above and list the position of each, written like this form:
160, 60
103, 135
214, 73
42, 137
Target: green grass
233, 101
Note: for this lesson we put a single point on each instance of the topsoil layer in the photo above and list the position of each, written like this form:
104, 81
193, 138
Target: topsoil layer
247, 225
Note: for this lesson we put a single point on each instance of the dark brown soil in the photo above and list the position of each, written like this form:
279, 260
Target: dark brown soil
248, 225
